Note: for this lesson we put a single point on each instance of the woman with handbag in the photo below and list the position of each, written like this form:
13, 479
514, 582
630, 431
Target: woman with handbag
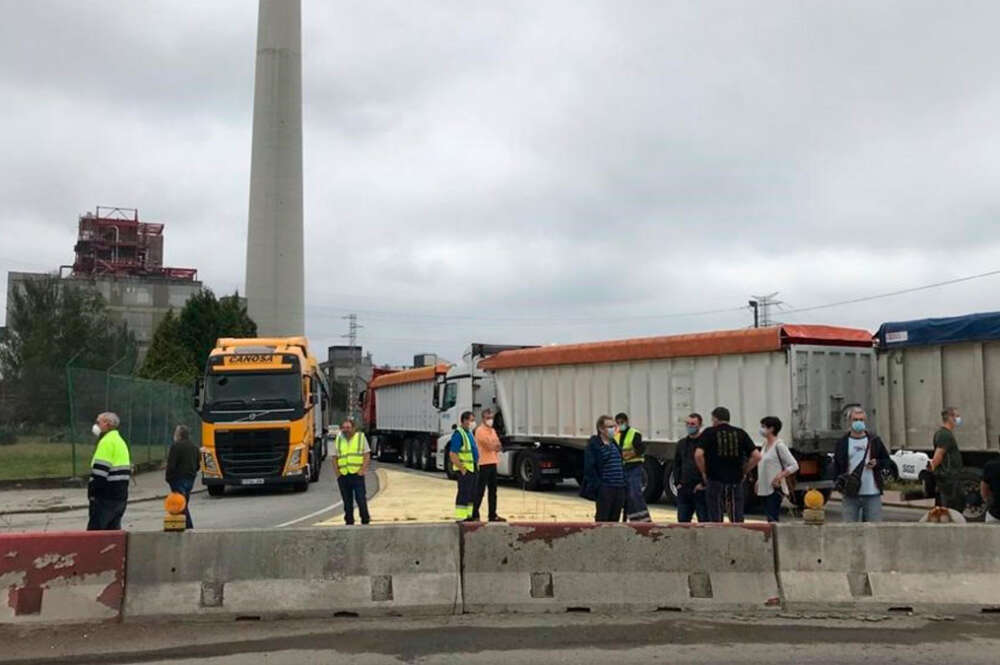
776, 464
858, 459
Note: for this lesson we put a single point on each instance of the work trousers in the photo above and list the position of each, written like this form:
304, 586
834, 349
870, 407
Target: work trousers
106, 514
487, 479
352, 489
184, 485
465, 498
691, 503
610, 501
635, 503
866, 508
724, 498
950, 495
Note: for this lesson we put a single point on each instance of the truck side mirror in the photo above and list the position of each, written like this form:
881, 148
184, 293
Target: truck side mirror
196, 394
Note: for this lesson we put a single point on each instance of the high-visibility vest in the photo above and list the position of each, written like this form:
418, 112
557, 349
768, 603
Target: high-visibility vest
350, 454
111, 459
629, 438
465, 454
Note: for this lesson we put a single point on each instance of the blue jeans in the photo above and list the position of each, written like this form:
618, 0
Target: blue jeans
184, 486
691, 503
352, 488
862, 508
635, 502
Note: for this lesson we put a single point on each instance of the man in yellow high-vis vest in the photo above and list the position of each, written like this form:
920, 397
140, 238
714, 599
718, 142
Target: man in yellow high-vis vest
632, 447
351, 458
110, 473
464, 458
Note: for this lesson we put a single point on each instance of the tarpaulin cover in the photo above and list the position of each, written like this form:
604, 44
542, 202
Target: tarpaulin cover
949, 330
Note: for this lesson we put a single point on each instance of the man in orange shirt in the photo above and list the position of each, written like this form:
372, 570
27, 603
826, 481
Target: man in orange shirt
488, 444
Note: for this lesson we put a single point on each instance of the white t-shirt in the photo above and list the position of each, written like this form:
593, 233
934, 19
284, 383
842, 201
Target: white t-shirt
365, 448
773, 460
855, 453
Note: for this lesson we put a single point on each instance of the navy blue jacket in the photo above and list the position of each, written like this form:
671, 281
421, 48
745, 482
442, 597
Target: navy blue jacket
593, 467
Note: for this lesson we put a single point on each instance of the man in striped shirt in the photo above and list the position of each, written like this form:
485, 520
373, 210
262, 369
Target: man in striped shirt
604, 473
110, 472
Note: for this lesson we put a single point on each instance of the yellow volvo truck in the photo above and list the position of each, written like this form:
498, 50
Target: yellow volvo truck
263, 408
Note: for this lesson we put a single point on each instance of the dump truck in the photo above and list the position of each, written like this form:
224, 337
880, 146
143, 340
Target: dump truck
264, 405
548, 398
926, 365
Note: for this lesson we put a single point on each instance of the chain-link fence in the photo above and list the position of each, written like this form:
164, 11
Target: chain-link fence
54, 447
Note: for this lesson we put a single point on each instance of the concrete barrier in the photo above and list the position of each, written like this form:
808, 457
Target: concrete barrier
886, 567
559, 567
62, 577
363, 570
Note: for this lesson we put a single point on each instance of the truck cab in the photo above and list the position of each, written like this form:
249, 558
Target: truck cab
263, 406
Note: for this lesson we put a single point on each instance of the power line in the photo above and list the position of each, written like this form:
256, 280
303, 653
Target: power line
890, 294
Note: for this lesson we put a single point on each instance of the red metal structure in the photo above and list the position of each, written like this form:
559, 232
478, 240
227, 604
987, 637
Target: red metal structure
112, 241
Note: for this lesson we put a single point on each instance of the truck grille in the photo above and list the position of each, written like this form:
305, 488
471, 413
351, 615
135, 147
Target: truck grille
252, 453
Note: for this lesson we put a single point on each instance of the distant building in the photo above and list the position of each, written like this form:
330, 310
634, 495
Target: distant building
122, 259
340, 363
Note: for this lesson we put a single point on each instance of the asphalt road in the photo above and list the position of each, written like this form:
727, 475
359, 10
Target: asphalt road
521, 639
268, 508
239, 508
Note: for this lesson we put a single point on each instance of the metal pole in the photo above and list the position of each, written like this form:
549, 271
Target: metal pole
756, 318
69, 397
107, 382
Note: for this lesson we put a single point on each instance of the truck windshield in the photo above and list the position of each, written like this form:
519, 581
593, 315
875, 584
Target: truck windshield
253, 390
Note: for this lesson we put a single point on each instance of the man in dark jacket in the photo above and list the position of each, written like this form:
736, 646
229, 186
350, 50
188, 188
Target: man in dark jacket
860, 447
183, 461
687, 478
604, 473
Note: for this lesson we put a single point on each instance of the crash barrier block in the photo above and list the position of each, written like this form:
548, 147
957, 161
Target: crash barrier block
560, 567
361, 570
890, 567
62, 577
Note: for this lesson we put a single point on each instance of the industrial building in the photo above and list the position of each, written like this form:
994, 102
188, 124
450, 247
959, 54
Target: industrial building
121, 258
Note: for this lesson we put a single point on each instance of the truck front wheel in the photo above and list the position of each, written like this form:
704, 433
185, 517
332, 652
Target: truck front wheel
669, 487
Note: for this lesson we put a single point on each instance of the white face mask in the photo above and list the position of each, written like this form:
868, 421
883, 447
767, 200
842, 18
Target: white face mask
489, 422
472, 425
96, 429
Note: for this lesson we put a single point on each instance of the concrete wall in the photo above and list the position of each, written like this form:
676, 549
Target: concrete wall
555, 567
382, 569
934, 567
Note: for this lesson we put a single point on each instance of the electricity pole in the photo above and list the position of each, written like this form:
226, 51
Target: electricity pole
352, 337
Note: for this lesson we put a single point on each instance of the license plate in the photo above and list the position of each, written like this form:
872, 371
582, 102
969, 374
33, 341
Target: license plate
550, 471
252, 481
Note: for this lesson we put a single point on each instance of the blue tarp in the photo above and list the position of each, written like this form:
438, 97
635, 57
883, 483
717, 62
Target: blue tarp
949, 330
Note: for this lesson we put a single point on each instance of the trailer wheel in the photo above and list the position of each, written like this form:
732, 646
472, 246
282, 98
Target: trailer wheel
216, 490
669, 486
652, 480
448, 470
529, 471
426, 458
408, 453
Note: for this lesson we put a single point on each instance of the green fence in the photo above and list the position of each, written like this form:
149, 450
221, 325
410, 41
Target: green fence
149, 412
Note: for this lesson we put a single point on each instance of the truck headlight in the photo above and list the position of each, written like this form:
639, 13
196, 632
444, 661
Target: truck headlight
208, 464
296, 459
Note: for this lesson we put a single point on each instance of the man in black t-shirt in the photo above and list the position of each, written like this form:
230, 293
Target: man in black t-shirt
990, 489
725, 456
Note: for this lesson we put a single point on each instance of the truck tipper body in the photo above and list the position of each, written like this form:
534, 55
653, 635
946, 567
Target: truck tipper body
926, 365
263, 404
549, 397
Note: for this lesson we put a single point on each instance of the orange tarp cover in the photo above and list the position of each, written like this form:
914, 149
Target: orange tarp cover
752, 340
409, 376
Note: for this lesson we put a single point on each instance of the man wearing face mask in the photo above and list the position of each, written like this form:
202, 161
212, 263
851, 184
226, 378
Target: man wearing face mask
687, 478
947, 462
604, 473
464, 460
861, 447
630, 442
110, 471
488, 444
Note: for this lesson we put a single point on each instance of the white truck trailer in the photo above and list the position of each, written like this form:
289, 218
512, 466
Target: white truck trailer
809, 376
927, 365
413, 412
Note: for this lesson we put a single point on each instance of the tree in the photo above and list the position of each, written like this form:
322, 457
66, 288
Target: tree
181, 343
50, 322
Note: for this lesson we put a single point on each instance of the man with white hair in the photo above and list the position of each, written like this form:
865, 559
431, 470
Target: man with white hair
110, 471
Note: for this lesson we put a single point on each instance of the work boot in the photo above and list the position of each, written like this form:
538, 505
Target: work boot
497, 518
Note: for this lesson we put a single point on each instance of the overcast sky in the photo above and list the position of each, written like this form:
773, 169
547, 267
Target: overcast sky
531, 172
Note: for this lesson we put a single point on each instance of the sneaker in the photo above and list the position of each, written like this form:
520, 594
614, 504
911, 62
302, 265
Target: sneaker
497, 518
